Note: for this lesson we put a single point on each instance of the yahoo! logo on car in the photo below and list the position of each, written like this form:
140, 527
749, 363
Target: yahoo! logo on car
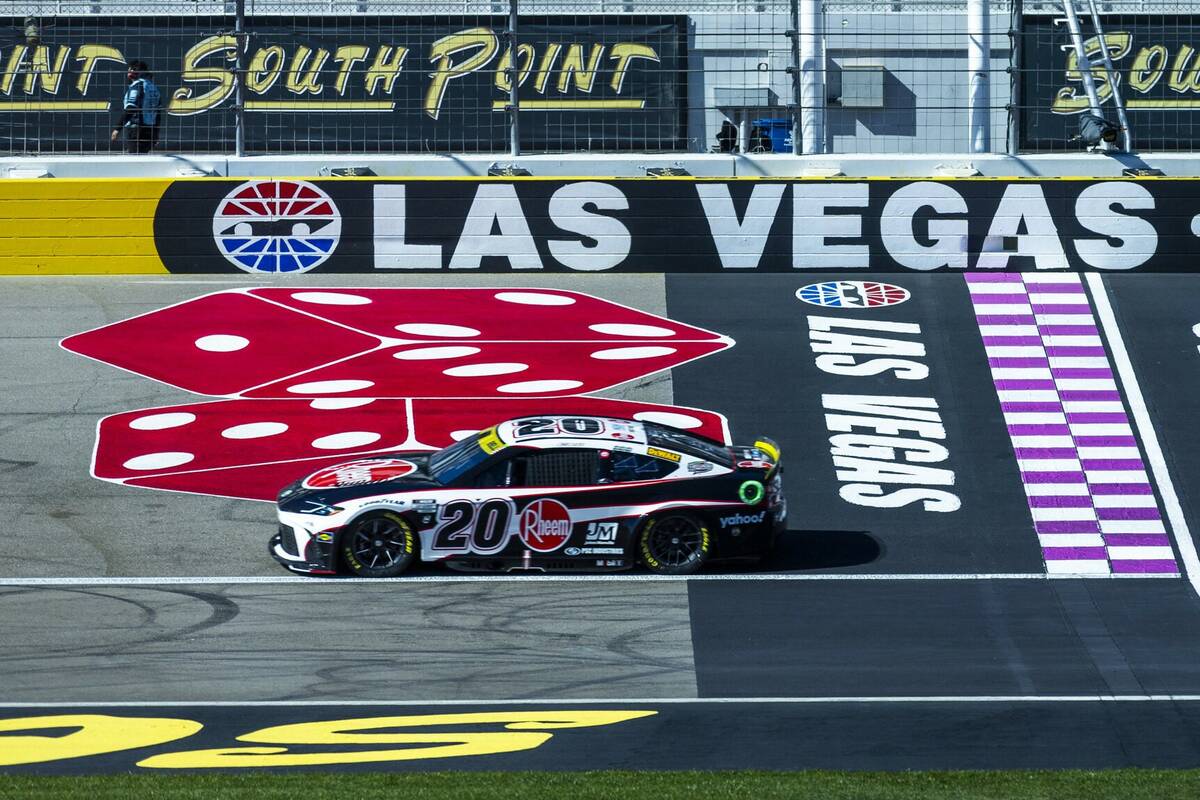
742, 519
277, 226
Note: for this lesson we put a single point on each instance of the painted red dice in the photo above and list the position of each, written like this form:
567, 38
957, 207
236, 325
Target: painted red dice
288, 343
319, 376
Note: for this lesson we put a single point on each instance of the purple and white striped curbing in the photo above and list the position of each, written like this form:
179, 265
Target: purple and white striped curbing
1093, 508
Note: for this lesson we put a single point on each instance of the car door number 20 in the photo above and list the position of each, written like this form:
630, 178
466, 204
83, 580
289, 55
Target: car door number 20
467, 527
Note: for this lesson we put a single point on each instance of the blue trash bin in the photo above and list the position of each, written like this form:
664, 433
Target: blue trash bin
780, 131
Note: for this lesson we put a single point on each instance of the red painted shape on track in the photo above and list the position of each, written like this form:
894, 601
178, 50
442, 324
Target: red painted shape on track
497, 314
168, 345
332, 387
498, 369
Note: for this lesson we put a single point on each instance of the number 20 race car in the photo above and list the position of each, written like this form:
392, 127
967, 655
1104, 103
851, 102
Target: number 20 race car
540, 493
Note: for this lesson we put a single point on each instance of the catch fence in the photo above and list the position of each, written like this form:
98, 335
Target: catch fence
672, 76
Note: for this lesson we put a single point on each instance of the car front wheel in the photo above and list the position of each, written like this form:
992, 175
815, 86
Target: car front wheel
675, 544
379, 545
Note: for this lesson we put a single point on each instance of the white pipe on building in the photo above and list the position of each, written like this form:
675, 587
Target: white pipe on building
979, 69
812, 77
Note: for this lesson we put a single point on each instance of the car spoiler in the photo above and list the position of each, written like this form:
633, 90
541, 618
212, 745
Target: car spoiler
772, 449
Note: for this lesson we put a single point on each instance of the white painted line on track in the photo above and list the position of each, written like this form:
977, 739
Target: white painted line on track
569, 701
307, 581
1146, 432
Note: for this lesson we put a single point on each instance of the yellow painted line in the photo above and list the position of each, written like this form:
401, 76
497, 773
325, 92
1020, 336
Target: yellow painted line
78, 246
49, 227
1163, 104
80, 190
320, 105
21, 106
570, 105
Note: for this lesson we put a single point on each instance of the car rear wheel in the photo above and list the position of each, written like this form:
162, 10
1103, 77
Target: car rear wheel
379, 545
675, 544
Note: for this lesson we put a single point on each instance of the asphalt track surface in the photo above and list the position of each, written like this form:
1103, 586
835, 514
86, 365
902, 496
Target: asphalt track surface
877, 638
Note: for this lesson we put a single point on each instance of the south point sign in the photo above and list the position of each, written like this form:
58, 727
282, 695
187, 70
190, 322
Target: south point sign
564, 75
354, 84
1156, 67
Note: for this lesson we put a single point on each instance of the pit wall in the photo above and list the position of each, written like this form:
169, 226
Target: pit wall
586, 224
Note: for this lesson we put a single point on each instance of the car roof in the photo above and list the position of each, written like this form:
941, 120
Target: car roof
588, 432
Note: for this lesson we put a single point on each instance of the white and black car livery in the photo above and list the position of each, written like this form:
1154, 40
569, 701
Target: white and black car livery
549, 493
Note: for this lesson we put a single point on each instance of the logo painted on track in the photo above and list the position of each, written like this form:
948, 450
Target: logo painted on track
277, 226
852, 294
354, 473
544, 525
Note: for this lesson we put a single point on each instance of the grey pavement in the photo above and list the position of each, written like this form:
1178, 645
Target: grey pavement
62, 522
325, 641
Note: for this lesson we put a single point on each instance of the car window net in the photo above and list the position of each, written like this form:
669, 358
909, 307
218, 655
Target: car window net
562, 469
634, 467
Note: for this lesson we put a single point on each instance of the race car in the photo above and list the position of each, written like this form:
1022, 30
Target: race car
552, 493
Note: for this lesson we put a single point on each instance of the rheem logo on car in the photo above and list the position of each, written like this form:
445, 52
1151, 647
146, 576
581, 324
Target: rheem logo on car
277, 226
544, 525
852, 294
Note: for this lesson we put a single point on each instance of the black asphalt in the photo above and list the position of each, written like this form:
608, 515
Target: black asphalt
760, 647
769, 384
1156, 316
963, 638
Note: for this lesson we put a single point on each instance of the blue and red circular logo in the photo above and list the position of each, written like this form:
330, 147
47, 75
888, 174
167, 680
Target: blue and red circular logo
277, 226
852, 294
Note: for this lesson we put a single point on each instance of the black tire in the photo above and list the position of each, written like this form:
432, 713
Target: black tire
675, 543
380, 544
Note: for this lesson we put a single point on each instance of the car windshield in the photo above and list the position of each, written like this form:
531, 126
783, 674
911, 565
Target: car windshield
447, 465
672, 438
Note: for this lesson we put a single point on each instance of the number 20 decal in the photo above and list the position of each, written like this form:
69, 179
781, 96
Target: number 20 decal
467, 527
98, 733
582, 426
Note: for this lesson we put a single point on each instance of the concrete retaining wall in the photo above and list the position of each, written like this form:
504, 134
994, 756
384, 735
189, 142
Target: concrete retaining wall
369, 225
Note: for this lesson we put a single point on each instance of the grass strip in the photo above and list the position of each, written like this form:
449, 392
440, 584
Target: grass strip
1118, 784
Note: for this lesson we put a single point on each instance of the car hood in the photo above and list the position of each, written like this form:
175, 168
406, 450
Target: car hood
383, 473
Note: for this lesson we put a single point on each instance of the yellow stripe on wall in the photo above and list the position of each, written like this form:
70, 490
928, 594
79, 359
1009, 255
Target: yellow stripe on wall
64, 226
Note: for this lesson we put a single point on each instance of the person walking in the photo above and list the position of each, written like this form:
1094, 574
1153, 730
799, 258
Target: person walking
141, 110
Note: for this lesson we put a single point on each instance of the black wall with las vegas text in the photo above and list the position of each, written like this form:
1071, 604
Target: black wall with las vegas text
730, 226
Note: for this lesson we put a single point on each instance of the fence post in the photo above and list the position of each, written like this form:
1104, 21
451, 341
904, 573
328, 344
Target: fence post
979, 54
514, 74
812, 76
239, 104
794, 35
1015, 29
